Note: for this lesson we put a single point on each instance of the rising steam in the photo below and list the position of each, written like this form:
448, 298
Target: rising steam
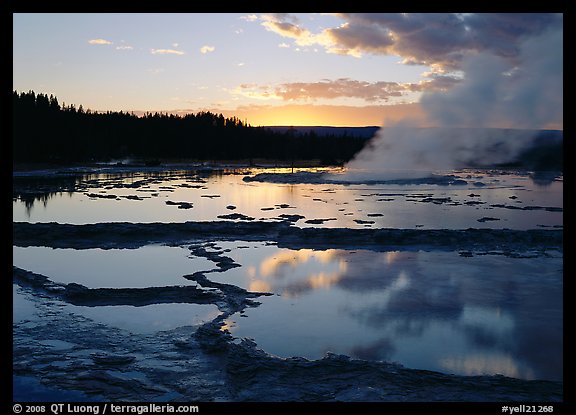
488, 118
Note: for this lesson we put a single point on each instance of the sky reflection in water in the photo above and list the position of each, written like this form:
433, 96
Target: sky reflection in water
430, 310
427, 310
147, 319
436, 310
149, 198
148, 266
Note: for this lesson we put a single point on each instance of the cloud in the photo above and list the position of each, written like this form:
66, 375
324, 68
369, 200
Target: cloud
254, 91
207, 49
99, 42
166, 52
439, 40
353, 40
370, 92
124, 47
290, 29
249, 17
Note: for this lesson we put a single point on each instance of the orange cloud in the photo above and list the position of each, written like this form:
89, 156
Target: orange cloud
99, 42
207, 49
370, 92
166, 52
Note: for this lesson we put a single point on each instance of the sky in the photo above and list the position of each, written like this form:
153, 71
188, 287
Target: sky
339, 69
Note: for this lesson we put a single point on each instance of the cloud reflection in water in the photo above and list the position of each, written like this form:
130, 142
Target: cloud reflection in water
428, 310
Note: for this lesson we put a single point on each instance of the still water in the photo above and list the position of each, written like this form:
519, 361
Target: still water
487, 200
431, 310
487, 313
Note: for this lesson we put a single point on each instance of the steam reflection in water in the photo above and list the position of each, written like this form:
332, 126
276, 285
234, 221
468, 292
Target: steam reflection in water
486, 314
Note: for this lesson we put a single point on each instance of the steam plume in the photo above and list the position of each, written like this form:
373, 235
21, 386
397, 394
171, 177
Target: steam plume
487, 118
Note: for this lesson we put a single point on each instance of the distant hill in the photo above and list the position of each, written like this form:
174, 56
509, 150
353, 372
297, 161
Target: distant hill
361, 132
543, 152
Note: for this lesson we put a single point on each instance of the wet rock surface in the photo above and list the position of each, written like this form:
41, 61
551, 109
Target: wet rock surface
318, 177
105, 363
78, 294
133, 235
339, 378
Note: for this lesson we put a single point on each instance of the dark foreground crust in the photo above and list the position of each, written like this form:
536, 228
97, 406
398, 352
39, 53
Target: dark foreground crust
134, 235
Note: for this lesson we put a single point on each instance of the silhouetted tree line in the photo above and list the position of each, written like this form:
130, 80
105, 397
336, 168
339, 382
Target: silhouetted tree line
46, 131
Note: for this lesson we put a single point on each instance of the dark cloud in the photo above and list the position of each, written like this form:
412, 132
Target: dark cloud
440, 39
350, 37
444, 39
419, 38
501, 33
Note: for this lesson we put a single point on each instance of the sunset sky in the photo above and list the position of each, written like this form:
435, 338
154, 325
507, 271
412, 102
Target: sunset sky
300, 69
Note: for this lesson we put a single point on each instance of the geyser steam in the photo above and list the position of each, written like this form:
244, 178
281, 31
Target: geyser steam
408, 152
489, 117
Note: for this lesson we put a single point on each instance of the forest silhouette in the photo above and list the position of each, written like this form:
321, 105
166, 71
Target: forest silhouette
47, 132
43, 131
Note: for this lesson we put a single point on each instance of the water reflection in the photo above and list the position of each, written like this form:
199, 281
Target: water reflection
146, 319
148, 266
428, 310
43, 186
485, 363
545, 178
31, 190
150, 318
489, 200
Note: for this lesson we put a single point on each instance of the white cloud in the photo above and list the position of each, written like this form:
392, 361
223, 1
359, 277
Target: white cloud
99, 41
249, 18
287, 29
283, 45
124, 47
207, 49
166, 52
